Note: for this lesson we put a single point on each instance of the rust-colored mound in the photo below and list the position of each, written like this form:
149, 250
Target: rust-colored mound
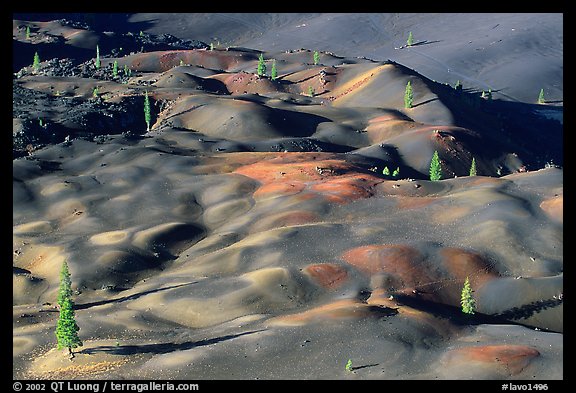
247, 83
372, 259
347, 188
462, 263
554, 208
401, 262
327, 275
511, 359
336, 180
160, 61
278, 189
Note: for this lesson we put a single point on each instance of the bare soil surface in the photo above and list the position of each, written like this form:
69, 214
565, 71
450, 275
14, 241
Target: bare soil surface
276, 228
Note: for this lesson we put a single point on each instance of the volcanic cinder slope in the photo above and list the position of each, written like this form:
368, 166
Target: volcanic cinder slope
253, 232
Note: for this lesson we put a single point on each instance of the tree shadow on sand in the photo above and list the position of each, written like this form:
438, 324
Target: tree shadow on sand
527, 310
162, 347
425, 102
126, 298
425, 42
364, 366
456, 316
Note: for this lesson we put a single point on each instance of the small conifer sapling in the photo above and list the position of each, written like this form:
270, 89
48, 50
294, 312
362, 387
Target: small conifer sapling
274, 71
316, 57
97, 63
435, 168
408, 96
458, 86
473, 167
349, 365
410, 40
467, 300
541, 99
36, 62
310, 91
147, 116
261, 71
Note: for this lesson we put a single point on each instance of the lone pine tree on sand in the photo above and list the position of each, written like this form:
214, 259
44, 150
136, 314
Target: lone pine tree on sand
435, 168
408, 96
316, 57
97, 64
67, 329
36, 62
467, 300
410, 40
147, 117
541, 99
473, 167
274, 71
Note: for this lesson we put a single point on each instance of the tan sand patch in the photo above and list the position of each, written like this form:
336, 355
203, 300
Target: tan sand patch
107, 238
32, 228
554, 208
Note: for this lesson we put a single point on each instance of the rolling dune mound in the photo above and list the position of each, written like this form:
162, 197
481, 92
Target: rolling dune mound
275, 228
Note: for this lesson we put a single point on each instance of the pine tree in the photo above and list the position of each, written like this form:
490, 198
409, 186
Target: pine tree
310, 91
127, 71
95, 92
316, 57
473, 167
115, 69
408, 96
541, 97
349, 365
458, 86
396, 172
435, 168
147, 117
487, 95
410, 40
36, 62
27, 32
467, 300
67, 328
386, 171
97, 64
273, 72
261, 66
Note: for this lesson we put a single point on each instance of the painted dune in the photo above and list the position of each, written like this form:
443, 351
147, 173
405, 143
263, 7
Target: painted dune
257, 231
